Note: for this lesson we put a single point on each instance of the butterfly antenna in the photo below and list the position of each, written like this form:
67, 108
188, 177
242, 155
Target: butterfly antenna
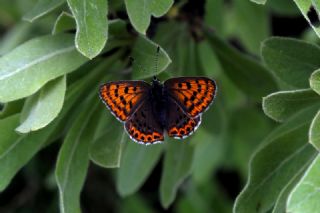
157, 60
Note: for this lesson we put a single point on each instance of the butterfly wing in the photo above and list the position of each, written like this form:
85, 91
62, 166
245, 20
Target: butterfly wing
123, 97
180, 125
193, 94
143, 127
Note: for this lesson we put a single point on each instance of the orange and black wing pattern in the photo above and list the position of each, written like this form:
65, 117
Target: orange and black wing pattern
180, 125
123, 97
143, 127
193, 94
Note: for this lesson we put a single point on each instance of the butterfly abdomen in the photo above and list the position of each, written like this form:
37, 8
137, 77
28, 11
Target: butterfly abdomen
159, 101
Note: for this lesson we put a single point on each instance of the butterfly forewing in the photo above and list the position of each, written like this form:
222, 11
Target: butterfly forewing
143, 127
180, 125
124, 97
193, 94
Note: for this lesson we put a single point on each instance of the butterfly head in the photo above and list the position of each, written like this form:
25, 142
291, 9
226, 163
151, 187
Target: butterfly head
155, 81
157, 88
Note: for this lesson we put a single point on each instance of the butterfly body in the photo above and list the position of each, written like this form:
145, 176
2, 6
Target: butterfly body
151, 111
159, 100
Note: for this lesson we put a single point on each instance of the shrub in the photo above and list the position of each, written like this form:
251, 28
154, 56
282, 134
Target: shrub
55, 54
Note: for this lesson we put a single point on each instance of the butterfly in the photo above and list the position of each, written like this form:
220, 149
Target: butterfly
149, 111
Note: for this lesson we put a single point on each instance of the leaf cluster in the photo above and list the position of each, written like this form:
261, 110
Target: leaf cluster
55, 54
283, 170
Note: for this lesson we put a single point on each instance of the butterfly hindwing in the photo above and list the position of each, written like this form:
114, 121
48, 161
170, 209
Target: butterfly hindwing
123, 97
193, 94
180, 125
143, 127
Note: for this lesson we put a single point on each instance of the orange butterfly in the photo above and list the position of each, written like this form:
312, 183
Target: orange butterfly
150, 111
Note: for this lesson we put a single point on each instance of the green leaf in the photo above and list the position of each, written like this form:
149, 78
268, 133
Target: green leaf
291, 60
9, 13
259, 1
106, 148
243, 13
44, 106
314, 131
280, 205
247, 74
92, 25
136, 165
140, 11
215, 120
78, 90
191, 64
118, 29
136, 204
182, 51
305, 196
208, 154
147, 62
195, 199
208, 59
173, 31
315, 81
7, 136
42, 8
304, 6
64, 22
115, 5
230, 95
11, 108
7, 133
73, 158
27, 63
281, 105
243, 142
283, 7
214, 15
316, 4
17, 150
15, 36
177, 166
278, 160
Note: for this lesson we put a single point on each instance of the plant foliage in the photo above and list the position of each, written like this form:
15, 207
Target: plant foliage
55, 54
